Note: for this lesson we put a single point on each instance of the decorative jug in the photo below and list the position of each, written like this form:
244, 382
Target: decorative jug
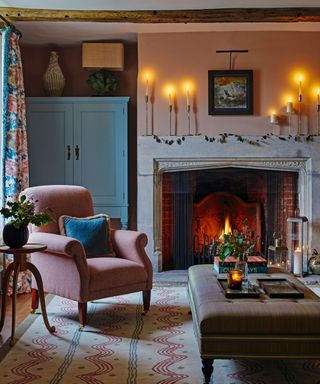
53, 79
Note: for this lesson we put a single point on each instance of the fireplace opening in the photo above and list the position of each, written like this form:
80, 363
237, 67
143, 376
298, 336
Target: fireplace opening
198, 207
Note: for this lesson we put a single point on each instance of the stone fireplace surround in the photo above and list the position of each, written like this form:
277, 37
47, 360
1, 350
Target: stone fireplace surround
195, 153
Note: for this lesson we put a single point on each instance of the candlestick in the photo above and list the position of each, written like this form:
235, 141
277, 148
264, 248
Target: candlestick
188, 107
146, 97
318, 111
289, 111
300, 102
187, 95
170, 110
147, 87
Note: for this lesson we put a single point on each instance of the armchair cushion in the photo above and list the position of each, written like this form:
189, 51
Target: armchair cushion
93, 232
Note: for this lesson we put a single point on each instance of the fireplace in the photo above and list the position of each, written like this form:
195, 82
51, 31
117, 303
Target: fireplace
264, 164
199, 207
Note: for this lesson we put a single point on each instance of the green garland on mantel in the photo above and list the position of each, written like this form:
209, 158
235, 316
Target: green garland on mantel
222, 138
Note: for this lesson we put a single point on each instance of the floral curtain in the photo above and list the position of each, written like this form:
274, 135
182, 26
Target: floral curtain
14, 151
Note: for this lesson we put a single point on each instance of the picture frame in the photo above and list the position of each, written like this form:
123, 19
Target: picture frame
230, 92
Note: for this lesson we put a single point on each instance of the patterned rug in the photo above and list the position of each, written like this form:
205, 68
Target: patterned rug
122, 346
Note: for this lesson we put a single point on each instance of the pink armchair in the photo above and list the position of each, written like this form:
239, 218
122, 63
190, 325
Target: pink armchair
64, 267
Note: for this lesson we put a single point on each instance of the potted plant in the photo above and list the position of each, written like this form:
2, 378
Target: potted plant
103, 82
21, 212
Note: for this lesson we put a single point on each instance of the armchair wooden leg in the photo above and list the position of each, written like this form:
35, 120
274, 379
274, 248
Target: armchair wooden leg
82, 309
146, 300
34, 300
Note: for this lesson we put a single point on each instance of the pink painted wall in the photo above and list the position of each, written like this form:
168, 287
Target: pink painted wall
273, 56
35, 60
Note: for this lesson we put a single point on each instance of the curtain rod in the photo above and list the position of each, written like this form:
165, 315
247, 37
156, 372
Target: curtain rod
7, 22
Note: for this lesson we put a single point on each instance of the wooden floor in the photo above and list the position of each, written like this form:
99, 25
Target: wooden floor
23, 308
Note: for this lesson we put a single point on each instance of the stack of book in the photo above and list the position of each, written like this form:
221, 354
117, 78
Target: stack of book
256, 264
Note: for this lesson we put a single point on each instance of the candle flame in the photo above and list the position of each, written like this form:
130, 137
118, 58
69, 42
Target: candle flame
227, 227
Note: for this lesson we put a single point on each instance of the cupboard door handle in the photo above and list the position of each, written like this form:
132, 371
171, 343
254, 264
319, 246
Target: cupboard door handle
68, 152
77, 152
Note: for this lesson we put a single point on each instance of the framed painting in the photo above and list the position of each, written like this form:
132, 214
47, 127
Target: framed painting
230, 92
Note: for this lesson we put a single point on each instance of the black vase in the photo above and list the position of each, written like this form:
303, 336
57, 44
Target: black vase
15, 237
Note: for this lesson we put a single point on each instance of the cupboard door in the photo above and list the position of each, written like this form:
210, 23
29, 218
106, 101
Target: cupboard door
50, 135
100, 152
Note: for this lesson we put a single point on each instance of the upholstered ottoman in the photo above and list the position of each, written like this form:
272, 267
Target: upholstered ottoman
251, 328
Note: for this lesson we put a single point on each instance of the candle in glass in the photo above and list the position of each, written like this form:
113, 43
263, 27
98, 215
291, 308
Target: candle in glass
234, 279
297, 262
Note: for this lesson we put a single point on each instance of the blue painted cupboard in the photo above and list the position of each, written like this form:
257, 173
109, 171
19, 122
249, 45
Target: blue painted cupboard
82, 141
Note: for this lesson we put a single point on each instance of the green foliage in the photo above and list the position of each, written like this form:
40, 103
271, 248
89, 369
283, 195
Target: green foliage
239, 243
102, 82
22, 212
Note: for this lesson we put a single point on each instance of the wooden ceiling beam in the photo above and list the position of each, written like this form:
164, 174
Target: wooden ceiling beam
240, 15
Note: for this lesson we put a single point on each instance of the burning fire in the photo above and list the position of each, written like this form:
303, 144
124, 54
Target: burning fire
227, 228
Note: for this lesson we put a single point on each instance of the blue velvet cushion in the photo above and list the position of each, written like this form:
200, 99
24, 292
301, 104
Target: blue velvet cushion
93, 232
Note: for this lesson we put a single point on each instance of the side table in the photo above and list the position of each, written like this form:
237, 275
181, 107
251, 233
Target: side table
20, 264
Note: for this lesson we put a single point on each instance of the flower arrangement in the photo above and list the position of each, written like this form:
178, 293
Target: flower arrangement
22, 212
238, 243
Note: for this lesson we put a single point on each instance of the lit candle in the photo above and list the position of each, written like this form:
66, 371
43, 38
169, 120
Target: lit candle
273, 118
289, 106
300, 78
147, 85
187, 95
318, 99
234, 279
297, 262
170, 99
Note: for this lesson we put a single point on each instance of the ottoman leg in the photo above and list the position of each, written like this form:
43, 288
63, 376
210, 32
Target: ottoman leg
207, 369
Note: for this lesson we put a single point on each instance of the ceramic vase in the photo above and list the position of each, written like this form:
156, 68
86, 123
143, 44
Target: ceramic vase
15, 237
53, 79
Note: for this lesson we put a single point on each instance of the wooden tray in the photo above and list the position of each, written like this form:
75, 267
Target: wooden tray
248, 292
280, 288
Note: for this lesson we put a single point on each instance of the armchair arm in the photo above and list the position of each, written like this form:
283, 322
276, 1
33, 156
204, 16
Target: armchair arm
62, 245
67, 248
130, 245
